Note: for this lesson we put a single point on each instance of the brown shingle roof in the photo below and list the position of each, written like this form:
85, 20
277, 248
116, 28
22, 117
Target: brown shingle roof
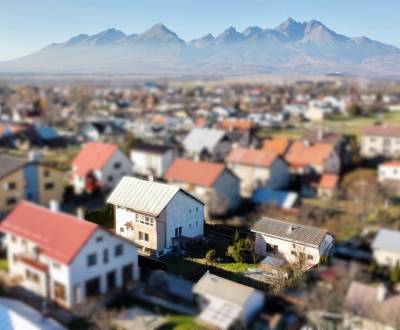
289, 231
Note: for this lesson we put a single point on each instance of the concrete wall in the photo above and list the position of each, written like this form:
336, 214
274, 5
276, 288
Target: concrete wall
147, 163
285, 248
156, 232
373, 146
109, 175
183, 210
16, 177
79, 272
388, 173
75, 274
386, 258
48, 175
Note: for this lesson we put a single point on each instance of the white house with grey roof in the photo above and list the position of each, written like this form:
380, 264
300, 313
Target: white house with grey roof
386, 247
225, 304
292, 243
207, 144
156, 216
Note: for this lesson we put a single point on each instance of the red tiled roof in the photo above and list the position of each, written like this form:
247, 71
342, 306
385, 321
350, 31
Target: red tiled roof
278, 145
253, 157
196, 172
328, 181
59, 236
93, 156
300, 154
392, 164
382, 130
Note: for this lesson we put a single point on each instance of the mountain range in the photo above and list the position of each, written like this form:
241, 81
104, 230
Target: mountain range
290, 48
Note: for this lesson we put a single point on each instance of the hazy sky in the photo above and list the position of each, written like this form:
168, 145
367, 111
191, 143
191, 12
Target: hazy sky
28, 25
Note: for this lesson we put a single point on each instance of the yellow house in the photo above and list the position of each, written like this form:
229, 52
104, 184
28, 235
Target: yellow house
30, 180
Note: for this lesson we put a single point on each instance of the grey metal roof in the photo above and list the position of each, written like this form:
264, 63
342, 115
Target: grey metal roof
202, 138
224, 289
387, 239
10, 164
290, 231
143, 196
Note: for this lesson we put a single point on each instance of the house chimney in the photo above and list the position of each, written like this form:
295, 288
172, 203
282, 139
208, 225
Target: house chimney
151, 178
290, 229
381, 292
80, 213
54, 205
34, 155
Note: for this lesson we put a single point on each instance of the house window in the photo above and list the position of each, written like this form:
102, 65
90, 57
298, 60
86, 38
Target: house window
117, 166
49, 186
11, 200
99, 238
110, 178
119, 250
145, 220
105, 256
31, 276
56, 265
293, 253
121, 229
46, 173
310, 257
197, 209
91, 259
143, 236
178, 231
59, 291
13, 238
12, 185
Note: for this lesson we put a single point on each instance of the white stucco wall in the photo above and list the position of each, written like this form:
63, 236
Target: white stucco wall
285, 248
146, 163
79, 272
183, 210
75, 273
109, 170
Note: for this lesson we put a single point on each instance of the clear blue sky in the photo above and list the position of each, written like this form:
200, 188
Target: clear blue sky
28, 25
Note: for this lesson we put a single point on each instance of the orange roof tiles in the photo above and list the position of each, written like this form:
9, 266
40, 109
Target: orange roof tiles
328, 181
10, 128
59, 236
300, 154
195, 172
278, 145
253, 157
93, 156
159, 120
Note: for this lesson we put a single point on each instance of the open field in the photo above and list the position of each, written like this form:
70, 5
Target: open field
348, 126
